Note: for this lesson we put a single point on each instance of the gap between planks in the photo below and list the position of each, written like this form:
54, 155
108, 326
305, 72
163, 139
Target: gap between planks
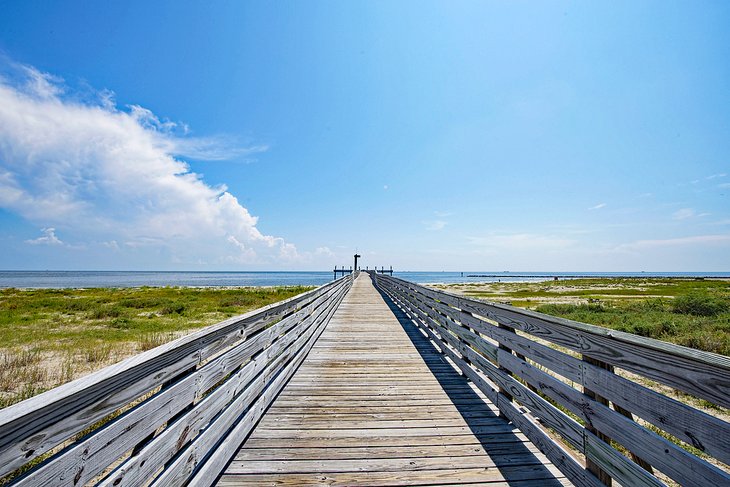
374, 403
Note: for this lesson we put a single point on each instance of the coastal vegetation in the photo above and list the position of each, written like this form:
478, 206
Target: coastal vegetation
51, 336
693, 313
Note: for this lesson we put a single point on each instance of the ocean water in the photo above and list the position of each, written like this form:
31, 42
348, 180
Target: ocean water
87, 279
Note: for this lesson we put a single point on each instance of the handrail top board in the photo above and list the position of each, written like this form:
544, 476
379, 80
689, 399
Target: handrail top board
246, 353
511, 372
22, 408
708, 358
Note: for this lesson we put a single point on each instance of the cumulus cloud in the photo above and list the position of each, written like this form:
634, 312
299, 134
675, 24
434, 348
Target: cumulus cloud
48, 238
324, 251
116, 177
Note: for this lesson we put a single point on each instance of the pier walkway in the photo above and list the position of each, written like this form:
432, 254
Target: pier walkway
374, 403
374, 380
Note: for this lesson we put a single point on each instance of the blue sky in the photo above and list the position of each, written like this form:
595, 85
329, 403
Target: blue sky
570, 136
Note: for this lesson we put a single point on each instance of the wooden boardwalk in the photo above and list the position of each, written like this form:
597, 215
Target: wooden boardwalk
374, 403
338, 386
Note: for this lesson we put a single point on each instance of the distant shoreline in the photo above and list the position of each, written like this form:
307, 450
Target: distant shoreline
247, 279
612, 276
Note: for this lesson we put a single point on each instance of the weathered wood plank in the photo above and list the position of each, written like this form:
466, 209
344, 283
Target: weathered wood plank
286, 452
703, 374
488, 437
676, 462
373, 396
36, 425
326, 466
558, 455
179, 471
447, 318
494, 477
84, 460
233, 393
703, 431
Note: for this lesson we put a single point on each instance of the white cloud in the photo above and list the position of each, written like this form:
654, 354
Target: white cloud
109, 175
715, 176
675, 242
521, 242
111, 244
42, 85
598, 206
434, 225
49, 238
324, 251
683, 214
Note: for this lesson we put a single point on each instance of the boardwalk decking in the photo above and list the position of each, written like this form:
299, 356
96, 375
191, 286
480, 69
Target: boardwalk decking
375, 404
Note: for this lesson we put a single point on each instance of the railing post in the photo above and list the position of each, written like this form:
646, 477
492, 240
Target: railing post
624, 412
592, 467
508, 350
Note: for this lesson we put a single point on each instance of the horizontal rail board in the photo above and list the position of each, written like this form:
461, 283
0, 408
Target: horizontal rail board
554, 451
702, 374
190, 382
508, 368
699, 429
373, 395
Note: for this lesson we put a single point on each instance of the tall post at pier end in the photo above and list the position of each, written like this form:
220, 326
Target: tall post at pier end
357, 256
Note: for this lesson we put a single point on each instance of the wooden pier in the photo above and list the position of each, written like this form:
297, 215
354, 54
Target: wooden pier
375, 404
373, 380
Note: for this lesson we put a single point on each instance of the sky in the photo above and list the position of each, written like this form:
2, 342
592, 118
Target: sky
522, 136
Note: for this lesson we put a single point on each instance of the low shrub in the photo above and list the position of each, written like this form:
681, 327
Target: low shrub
104, 312
699, 305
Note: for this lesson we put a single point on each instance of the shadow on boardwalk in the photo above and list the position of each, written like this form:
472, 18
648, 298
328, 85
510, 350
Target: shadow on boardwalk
514, 460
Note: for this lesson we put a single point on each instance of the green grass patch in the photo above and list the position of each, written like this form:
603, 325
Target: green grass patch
658, 318
51, 336
52, 319
689, 312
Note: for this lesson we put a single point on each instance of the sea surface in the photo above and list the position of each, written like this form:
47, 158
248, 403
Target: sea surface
88, 279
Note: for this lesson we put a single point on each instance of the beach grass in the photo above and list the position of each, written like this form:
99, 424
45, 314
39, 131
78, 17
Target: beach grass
689, 312
51, 336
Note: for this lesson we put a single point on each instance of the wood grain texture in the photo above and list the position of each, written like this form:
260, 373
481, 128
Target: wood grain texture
36, 425
216, 412
554, 451
461, 325
374, 403
703, 431
703, 374
666, 456
186, 369
89, 457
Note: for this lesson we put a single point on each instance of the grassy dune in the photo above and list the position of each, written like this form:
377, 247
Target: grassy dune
693, 313
50, 336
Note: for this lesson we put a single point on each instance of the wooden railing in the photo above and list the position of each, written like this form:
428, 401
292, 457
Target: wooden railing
173, 415
550, 375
